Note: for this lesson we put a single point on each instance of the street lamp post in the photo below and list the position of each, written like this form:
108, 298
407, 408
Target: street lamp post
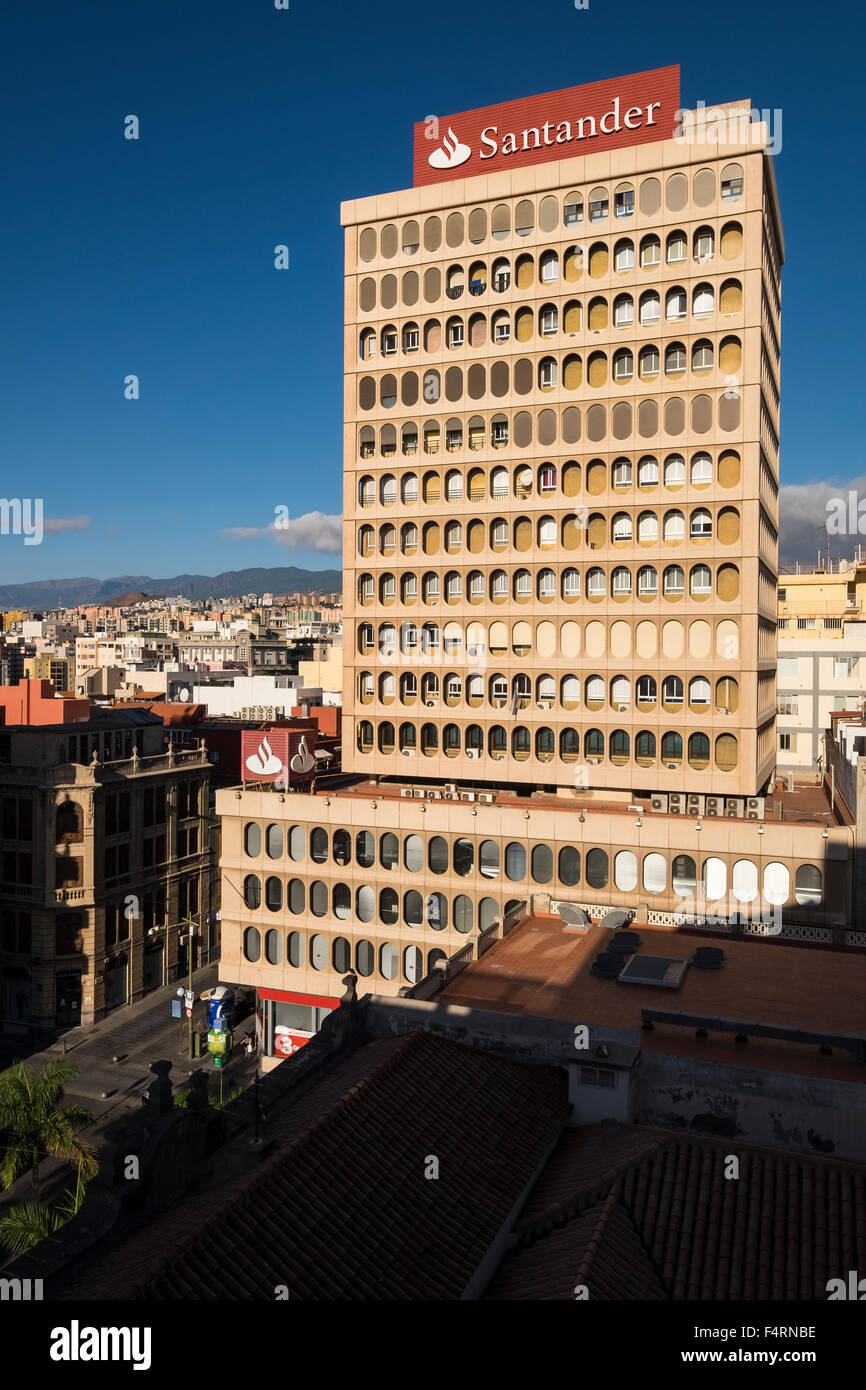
190, 933
180, 994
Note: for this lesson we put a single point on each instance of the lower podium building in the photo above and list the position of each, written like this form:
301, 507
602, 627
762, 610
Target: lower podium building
388, 879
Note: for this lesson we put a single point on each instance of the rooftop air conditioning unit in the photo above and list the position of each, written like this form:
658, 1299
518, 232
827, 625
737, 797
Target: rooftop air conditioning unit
452, 796
671, 767
713, 805
420, 792
676, 804
545, 704
450, 787
430, 703
472, 752
734, 806
467, 796
755, 808
488, 798
695, 804
406, 791
659, 802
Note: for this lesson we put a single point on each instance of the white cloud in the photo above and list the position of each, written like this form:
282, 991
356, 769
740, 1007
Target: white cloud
312, 531
55, 524
315, 531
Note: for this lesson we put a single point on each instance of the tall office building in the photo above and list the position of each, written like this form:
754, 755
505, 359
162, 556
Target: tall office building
560, 502
561, 455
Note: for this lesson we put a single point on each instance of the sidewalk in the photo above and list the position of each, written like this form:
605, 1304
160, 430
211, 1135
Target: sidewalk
137, 1035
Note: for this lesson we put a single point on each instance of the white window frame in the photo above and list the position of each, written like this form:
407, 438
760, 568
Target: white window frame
571, 582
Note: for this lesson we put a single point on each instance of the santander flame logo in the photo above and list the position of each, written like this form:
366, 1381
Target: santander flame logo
303, 761
264, 761
451, 155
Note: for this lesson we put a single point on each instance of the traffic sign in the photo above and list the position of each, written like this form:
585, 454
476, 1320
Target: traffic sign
217, 1061
189, 996
189, 1013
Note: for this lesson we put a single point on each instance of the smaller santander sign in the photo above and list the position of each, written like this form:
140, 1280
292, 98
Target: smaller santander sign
556, 125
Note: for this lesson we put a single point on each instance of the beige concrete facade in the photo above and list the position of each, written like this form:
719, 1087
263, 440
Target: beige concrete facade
491, 476
583, 513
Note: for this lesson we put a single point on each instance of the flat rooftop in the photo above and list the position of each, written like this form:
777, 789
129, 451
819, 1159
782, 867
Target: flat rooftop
543, 970
808, 804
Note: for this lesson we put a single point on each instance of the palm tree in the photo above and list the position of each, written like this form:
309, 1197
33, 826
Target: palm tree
24, 1226
36, 1127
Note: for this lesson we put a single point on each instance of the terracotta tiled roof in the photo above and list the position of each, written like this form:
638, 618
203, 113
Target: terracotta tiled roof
599, 1250
653, 1209
344, 1210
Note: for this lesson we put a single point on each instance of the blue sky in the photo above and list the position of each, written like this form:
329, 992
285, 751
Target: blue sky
155, 256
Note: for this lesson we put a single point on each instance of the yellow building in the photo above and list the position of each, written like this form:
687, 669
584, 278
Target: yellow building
60, 670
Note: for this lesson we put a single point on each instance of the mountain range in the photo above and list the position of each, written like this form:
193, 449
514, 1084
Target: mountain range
67, 593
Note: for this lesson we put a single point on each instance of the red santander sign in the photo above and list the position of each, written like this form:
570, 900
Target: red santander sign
284, 756
556, 125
